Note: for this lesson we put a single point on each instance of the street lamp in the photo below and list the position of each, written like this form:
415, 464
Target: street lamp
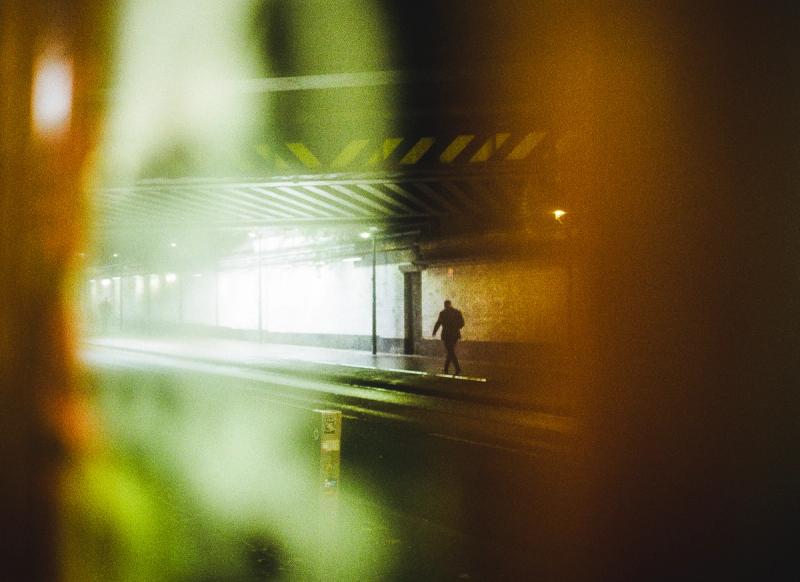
257, 239
121, 278
370, 235
559, 214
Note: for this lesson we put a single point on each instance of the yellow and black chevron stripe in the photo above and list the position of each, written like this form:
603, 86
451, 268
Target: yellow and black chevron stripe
406, 152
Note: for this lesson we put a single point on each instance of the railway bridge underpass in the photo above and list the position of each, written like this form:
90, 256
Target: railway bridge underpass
344, 238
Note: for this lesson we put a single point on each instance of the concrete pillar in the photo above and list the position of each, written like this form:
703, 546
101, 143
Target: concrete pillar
412, 308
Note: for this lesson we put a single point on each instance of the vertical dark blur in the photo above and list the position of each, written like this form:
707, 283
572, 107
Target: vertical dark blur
41, 224
688, 240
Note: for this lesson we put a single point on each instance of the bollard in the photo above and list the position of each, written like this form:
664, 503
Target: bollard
328, 432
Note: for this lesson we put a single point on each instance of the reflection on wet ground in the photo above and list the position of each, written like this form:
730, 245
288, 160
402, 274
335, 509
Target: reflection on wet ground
210, 473
188, 478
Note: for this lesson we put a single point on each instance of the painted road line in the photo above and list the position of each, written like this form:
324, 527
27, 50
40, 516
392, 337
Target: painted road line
365, 367
457, 377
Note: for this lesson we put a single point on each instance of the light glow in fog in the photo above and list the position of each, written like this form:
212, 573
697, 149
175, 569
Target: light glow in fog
176, 110
52, 94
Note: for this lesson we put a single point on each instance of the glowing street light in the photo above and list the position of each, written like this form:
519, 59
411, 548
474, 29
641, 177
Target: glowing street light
559, 214
52, 92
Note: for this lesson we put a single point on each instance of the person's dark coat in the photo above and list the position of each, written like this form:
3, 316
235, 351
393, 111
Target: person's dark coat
451, 321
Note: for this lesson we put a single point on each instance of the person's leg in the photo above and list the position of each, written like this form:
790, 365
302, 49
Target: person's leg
454, 358
450, 346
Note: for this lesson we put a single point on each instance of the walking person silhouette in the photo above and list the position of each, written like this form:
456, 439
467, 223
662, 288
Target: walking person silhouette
451, 321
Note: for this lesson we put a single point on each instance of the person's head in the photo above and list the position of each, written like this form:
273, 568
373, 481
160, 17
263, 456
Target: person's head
447, 303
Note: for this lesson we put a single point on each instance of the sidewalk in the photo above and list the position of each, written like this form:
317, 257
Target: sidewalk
514, 385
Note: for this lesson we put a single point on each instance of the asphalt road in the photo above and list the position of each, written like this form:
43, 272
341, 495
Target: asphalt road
219, 472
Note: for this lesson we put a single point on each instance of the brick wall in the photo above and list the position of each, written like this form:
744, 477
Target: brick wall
501, 301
